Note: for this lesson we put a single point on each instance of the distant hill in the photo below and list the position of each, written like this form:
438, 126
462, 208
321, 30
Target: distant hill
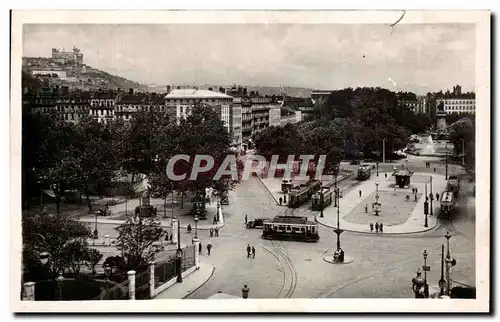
82, 77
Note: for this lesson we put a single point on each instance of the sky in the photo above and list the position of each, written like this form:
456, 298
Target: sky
409, 57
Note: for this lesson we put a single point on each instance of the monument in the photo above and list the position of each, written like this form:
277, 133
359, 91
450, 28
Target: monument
440, 117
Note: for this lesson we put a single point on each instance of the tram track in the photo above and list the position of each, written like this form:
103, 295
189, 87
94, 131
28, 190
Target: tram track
280, 248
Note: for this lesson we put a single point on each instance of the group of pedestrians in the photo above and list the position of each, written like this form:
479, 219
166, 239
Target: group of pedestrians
378, 227
250, 251
209, 248
214, 232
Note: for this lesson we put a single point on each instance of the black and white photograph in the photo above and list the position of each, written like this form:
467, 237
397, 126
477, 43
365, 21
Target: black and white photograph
165, 157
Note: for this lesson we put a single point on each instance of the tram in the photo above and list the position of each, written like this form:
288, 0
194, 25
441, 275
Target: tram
300, 194
364, 172
286, 185
327, 199
291, 228
448, 201
453, 184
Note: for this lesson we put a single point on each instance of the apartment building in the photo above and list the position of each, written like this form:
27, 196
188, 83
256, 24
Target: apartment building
457, 105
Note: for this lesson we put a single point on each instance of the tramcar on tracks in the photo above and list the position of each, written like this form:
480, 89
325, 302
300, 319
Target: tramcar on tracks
448, 202
364, 172
453, 184
291, 228
318, 203
300, 194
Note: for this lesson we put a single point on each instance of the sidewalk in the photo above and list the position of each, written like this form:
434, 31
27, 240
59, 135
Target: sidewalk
190, 283
415, 221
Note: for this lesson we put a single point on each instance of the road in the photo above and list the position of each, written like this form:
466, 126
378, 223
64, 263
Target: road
383, 265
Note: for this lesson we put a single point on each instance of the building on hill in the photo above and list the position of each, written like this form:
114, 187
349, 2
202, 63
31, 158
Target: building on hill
67, 57
102, 105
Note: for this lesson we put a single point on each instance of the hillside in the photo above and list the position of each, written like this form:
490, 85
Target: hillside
82, 77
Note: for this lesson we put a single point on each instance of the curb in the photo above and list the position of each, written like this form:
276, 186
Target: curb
269, 191
381, 234
213, 270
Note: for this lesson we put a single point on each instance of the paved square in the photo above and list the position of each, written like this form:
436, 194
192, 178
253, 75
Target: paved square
395, 209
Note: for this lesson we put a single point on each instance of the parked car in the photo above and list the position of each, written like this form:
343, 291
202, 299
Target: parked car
256, 223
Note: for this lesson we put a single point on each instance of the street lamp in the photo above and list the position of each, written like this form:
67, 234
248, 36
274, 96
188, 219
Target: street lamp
107, 274
321, 200
418, 281
59, 280
425, 268
432, 198
383, 150
442, 282
376, 204
96, 233
244, 291
196, 219
179, 255
450, 262
337, 230
337, 169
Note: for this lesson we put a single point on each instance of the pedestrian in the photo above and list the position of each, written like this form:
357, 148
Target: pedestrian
386, 175
434, 169
211, 232
249, 249
376, 227
215, 220
416, 190
166, 236
437, 196
209, 247
407, 198
216, 231
415, 197
366, 208
394, 190
253, 252
281, 201
360, 192
246, 219
371, 227
381, 227
200, 248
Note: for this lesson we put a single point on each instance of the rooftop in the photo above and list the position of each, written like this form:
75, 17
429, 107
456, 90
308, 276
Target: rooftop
195, 93
292, 220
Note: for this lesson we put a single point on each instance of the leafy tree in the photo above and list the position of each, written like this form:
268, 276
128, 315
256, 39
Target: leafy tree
465, 131
65, 239
96, 163
93, 257
138, 239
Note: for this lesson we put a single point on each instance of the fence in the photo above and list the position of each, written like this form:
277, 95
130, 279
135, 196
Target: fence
166, 270
142, 285
117, 292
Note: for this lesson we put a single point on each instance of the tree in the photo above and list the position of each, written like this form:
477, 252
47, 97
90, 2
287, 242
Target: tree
96, 160
93, 257
138, 238
63, 238
465, 131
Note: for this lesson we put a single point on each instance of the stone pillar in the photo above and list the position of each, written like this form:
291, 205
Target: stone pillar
106, 240
196, 243
29, 291
175, 237
131, 285
152, 279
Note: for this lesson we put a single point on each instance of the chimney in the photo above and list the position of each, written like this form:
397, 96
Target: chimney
131, 91
168, 89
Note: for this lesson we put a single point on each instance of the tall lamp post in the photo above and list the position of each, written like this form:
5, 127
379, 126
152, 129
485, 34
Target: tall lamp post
442, 282
172, 213
107, 274
432, 199
377, 205
337, 169
337, 230
446, 165
425, 268
463, 152
60, 280
179, 255
426, 207
196, 219
383, 150
450, 262
96, 233
321, 200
